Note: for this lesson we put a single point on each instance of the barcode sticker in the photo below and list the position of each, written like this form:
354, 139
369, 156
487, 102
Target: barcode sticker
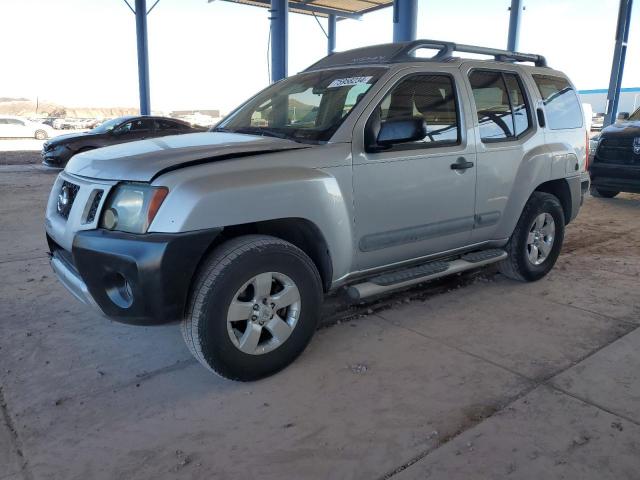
345, 82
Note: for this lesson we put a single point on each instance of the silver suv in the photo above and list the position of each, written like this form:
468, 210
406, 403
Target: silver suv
372, 170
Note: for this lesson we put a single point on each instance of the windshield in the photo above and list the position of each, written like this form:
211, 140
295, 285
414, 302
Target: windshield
109, 125
308, 107
635, 116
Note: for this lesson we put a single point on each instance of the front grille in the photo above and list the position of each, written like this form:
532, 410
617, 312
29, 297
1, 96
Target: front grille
95, 203
617, 142
617, 150
66, 197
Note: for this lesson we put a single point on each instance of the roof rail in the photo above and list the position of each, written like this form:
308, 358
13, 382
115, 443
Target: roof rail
446, 50
404, 52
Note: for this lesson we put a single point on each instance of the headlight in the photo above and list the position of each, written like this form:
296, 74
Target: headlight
131, 207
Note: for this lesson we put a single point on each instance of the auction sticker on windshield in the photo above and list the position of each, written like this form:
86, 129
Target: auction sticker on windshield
344, 82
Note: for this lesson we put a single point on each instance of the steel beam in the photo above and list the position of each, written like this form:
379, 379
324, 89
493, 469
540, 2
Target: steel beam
514, 25
279, 39
619, 55
143, 56
331, 34
303, 6
405, 20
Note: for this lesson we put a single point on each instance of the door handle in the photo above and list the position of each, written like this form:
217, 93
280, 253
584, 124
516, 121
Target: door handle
461, 164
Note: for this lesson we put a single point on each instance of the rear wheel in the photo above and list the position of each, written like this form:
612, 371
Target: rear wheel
40, 135
599, 192
537, 239
254, 307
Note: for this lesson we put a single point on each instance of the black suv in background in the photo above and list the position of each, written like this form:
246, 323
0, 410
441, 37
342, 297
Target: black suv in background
615, 166
57, 151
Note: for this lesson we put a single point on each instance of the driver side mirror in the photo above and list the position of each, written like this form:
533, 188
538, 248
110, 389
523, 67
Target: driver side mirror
401, 131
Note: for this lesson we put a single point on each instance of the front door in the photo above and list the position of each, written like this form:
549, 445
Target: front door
413, 199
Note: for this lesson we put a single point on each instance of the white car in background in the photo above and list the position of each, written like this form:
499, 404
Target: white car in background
19, 127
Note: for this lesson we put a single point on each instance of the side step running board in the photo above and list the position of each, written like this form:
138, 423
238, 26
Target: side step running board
428, 271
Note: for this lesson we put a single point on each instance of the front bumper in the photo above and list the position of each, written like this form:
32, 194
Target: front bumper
56, 157
622, 178
136, 279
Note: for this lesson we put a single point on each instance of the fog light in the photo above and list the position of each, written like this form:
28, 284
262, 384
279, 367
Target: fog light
119, 290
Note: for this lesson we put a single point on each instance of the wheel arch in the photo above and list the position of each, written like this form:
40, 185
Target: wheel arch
300, 232
560, 189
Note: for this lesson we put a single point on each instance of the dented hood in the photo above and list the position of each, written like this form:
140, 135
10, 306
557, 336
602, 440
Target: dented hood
144, 160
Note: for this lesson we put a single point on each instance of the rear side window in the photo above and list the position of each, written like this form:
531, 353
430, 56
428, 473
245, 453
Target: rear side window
166, 125
561, 104
503, 112
430, 97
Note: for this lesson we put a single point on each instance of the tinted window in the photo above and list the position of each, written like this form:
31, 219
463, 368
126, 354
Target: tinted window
13, 121
430, 97
136, 126
166, 125
500, 105
561, 104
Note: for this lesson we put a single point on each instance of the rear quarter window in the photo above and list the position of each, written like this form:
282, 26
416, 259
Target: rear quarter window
561, 104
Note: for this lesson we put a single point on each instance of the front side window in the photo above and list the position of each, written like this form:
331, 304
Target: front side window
308, 107
503, 113
561, 104
135, 126
429, 97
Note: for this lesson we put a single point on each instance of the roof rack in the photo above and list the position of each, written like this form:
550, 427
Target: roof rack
404, 52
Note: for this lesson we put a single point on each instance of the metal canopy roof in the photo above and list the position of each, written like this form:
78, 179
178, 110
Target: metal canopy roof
323, 8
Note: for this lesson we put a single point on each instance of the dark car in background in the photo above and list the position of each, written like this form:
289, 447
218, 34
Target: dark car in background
57, 151
615, 165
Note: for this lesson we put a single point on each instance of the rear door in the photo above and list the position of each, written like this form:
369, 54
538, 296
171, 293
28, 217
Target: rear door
409, 200
13, 127
508, 148
565, 131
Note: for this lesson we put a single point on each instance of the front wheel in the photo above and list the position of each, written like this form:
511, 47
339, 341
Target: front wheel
254, 307
40, 135
537, 239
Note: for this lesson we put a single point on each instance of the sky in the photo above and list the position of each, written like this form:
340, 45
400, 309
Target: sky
82, 53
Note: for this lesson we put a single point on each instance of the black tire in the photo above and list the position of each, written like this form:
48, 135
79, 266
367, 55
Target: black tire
599, 192
40, 135
222, 273
517, 265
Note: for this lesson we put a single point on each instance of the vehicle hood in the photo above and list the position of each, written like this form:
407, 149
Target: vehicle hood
69, 137
623, 129
144, 160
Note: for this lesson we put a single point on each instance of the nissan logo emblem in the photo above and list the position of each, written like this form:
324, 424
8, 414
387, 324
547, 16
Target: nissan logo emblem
64, 200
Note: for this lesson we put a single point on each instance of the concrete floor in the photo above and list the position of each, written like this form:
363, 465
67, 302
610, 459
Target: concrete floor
481, 378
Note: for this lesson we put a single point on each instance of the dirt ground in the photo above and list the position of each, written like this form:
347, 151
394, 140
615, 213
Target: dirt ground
476, 377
